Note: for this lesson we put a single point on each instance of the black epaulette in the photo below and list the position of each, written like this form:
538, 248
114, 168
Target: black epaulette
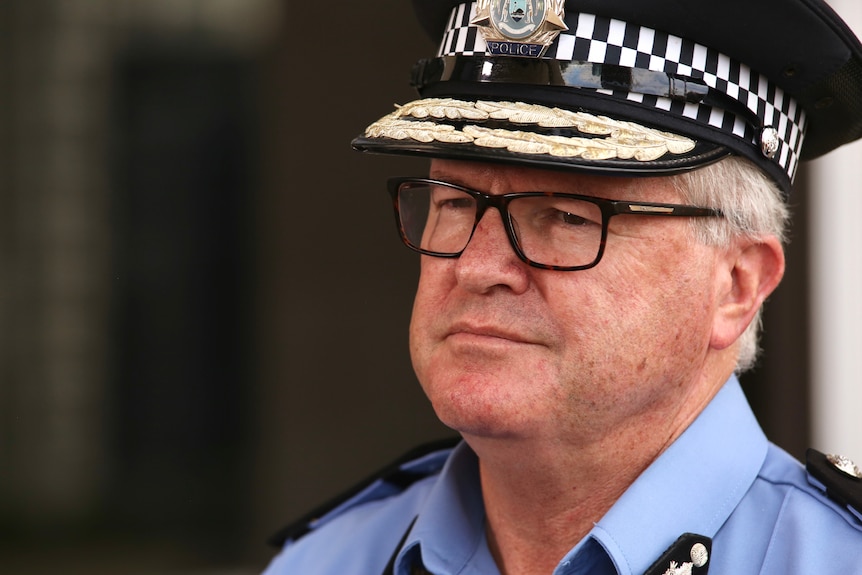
690, 553
838, 477
393, 474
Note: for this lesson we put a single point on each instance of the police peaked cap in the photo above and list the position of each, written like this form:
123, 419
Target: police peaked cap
630, 87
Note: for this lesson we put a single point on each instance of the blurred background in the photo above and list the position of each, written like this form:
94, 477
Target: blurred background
203, 301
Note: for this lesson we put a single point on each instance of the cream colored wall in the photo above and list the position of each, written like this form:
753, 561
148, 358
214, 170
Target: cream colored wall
836, 289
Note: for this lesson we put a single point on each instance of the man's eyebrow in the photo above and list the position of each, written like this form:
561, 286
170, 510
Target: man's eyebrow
622, 188
448, 178
445, 175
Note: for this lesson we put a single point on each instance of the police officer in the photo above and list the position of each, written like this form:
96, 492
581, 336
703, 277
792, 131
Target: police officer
602, 221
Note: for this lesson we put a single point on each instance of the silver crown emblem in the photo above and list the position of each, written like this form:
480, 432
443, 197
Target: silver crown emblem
845, 465
519, 27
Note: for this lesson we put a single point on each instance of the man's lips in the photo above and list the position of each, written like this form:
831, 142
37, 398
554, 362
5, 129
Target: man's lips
490, 332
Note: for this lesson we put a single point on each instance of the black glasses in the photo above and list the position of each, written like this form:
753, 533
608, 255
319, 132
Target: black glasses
548, 230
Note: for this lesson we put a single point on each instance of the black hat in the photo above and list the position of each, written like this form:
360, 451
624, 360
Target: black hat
631, 87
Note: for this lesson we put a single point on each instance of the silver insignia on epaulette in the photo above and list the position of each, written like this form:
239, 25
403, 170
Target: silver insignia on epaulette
845, 465
677, 569
699, 554
699, 558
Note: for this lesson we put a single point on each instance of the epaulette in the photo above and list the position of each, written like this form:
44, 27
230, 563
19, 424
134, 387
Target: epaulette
689, 554
838, 477
399, 474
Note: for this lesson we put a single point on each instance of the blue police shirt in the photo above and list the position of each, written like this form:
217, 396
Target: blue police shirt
721, 479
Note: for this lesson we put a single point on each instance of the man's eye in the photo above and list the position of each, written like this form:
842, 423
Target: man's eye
572, 219
455, 203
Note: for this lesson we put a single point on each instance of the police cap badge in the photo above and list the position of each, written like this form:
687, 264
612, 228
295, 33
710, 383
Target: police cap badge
630, 86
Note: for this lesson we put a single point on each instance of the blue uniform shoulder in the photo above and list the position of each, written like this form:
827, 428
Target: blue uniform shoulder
416, 464
838, 478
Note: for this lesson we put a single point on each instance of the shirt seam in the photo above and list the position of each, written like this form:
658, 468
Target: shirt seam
818, 497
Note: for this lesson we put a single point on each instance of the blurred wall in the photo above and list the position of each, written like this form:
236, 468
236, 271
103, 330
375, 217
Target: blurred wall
836, 311
129, 166
204, 303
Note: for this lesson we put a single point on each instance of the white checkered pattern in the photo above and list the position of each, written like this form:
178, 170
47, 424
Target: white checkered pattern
601, 40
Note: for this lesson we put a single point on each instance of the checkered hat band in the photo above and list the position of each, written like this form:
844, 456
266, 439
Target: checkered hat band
600, 40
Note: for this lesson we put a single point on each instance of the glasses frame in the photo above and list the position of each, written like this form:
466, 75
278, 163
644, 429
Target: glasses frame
609, 209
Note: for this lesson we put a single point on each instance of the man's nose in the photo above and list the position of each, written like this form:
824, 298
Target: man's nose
489, 259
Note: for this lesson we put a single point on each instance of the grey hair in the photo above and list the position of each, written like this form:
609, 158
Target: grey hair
753, 206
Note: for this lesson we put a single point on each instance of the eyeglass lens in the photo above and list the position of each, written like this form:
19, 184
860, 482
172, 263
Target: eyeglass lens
548, 230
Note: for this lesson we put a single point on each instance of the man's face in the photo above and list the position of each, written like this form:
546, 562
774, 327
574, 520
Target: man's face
504, 349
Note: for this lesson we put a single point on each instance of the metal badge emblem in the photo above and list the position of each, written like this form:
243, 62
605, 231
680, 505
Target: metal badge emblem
769, 142
689, 555
519, 27
845, 465
699, 558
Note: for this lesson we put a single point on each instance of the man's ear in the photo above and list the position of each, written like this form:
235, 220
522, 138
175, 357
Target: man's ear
753, 269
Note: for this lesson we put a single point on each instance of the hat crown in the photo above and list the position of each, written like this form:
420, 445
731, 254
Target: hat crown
803, 46
756, 78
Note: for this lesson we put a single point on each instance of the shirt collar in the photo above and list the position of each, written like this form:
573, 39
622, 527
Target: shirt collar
708, 468
449, 532
693, 486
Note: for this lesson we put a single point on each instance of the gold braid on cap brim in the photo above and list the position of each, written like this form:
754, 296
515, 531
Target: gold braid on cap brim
622, 140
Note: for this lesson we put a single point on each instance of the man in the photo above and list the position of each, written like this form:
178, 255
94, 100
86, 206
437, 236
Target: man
602, 221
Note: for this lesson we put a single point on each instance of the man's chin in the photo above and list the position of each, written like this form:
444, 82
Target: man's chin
482, 421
